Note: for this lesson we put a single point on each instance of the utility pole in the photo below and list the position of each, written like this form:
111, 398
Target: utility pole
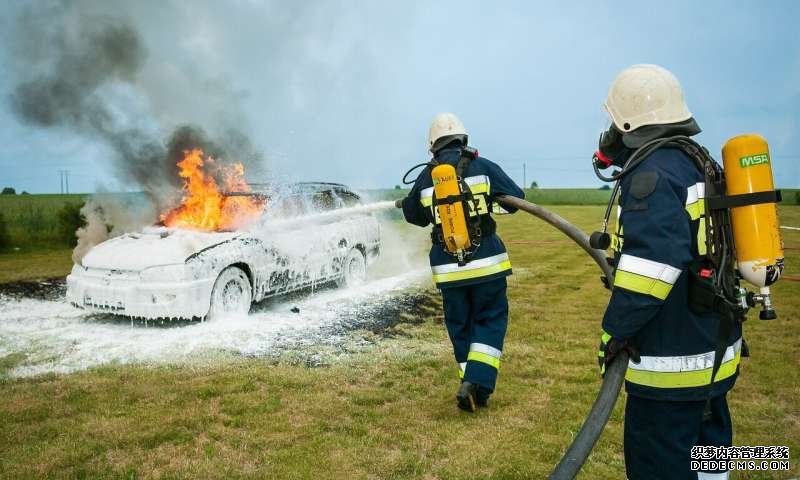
524, 175
63, 180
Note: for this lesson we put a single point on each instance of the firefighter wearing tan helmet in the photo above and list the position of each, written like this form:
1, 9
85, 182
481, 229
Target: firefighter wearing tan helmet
676, 305
454, 193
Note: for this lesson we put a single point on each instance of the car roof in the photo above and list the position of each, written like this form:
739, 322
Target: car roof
301, 188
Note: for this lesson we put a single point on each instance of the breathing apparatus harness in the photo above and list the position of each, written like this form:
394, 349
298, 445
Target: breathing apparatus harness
713, 279
477, 227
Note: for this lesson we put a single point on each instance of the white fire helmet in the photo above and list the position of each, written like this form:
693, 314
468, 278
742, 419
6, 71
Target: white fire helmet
445, 125
645, 95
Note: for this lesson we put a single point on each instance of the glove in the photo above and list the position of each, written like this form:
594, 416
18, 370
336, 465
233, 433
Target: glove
399, 203
610, 348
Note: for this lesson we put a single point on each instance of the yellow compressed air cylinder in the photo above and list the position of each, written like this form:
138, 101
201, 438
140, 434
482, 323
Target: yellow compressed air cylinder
451, 214
759, 249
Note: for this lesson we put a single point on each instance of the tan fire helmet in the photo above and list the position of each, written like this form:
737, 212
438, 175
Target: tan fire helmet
645, 95
445, 125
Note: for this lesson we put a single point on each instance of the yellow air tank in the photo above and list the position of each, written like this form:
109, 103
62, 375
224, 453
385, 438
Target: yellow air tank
759, 249
451, 213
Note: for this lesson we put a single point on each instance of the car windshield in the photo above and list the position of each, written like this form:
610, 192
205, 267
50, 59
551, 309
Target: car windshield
304, 198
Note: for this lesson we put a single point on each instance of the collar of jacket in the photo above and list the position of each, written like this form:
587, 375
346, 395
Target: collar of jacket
449, 155
642, 135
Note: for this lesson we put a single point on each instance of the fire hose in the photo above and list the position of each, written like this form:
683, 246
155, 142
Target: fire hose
583, 443
568, 229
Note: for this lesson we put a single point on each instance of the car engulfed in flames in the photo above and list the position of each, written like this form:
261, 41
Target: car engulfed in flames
218, 251
207, 207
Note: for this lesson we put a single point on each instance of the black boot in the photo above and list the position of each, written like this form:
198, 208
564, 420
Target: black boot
466, 396
482, 397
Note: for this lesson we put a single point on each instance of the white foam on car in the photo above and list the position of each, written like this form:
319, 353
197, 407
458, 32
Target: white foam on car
55, 337
151, 246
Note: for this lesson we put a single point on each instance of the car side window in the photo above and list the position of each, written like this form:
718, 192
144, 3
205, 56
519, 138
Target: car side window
291, 206
350, 199
324, 201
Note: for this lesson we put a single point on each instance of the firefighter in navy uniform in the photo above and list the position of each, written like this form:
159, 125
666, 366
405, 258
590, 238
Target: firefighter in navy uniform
474, 293
673, 403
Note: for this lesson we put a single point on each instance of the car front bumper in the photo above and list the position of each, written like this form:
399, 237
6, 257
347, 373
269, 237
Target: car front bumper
125, 294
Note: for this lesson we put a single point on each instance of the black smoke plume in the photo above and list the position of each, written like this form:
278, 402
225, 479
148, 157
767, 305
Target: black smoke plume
79, 71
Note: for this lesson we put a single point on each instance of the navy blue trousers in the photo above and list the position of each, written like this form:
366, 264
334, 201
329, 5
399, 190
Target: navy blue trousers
659, 436
476, 317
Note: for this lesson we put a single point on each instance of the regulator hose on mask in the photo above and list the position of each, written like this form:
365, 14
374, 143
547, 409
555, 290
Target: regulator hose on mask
596, 420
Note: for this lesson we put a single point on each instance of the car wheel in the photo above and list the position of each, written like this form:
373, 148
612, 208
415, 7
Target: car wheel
354, 269
231, 294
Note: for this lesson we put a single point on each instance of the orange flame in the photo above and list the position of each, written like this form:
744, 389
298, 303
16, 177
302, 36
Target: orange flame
204, 207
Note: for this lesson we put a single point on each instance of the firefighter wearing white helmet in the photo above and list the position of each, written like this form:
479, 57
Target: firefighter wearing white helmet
473, 288
646, 95
445, 128
684, 360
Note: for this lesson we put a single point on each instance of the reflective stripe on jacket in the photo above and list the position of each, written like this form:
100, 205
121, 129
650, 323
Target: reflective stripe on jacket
486, 180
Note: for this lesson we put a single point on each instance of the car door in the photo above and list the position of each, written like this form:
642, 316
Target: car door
330, 230
283, 240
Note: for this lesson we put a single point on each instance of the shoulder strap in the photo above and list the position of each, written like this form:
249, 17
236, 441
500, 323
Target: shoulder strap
467, 155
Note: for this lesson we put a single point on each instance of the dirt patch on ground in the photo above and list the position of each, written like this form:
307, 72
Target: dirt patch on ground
358, 328
47, 289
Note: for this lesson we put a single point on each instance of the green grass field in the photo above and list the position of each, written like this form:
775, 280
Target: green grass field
35, 263
389, 412
31, 221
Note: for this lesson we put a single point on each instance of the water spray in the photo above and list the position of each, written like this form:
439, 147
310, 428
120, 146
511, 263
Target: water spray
321, 216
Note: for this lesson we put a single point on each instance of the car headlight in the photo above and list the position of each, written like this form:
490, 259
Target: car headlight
163, 273
78, 270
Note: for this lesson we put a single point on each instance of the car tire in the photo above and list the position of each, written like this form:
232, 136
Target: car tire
354, 269
231, 295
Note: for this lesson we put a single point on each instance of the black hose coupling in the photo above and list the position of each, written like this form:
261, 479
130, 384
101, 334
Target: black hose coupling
600, 240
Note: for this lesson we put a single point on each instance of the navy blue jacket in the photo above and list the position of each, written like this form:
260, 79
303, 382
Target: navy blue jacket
486, 179
661, 230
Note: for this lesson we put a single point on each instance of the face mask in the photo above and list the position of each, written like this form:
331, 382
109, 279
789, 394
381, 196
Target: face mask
610, 149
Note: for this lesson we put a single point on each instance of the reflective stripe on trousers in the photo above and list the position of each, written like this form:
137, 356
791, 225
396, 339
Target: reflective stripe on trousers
683, 370
482, 267
712, 476
480, 352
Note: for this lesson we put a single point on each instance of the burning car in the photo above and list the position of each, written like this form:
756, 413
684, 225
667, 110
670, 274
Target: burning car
196, 265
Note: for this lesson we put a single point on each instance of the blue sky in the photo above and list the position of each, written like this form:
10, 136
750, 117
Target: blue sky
344, 91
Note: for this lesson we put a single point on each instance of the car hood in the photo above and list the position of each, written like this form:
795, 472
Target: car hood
153, 246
